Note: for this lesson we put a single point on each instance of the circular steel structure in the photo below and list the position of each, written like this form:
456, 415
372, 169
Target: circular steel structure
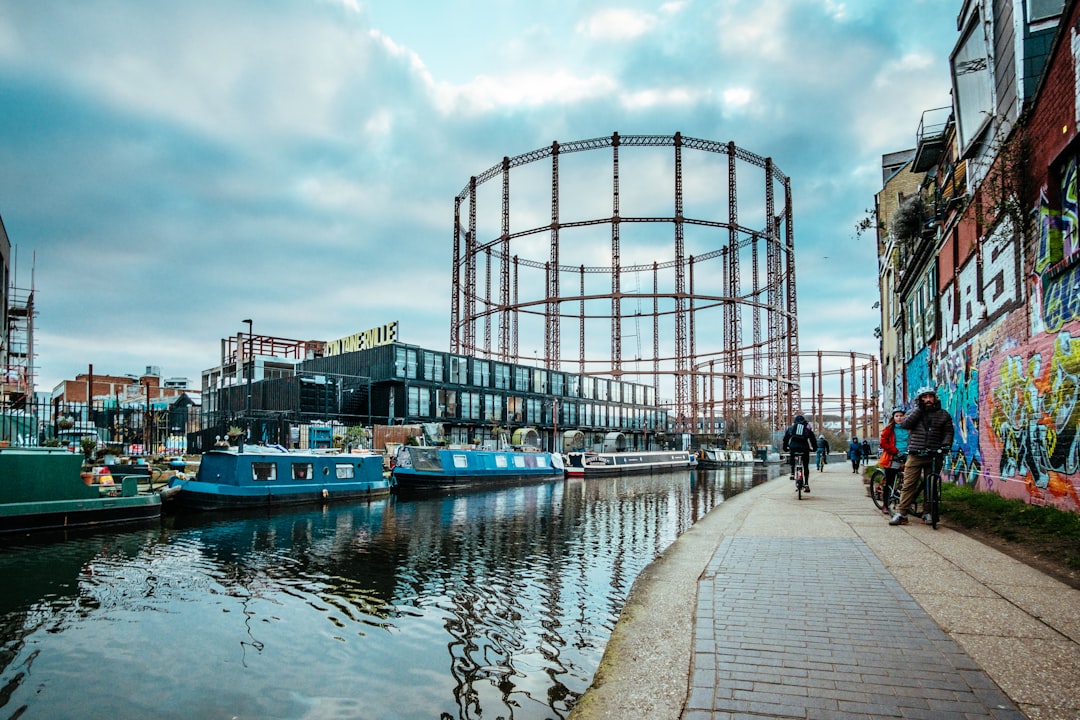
657, 259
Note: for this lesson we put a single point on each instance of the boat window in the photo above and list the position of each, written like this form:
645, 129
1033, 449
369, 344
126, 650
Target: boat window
500, 461
326, 471
541, 461
302, 471
344, 471
519, 461
460, 461
263, 471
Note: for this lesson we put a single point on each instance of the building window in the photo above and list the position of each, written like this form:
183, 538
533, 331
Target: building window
447, 403
412, 408
533, 410
424, 407
493, 408
540, 381
971, 84
1043, 9
558, 383
459, 370
433, 366
481, 373
521, 378
574, 388
470, 406
502, 376
515, 407
405, 362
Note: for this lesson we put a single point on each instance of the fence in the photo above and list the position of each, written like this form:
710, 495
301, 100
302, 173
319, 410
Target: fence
125, 429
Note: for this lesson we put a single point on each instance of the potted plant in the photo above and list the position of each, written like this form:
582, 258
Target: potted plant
88, 445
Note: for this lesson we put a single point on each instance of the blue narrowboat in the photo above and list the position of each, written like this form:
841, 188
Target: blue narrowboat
433, 467
259, 476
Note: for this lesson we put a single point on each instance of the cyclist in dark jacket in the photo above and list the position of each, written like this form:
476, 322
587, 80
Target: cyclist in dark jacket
798, 440
930, 431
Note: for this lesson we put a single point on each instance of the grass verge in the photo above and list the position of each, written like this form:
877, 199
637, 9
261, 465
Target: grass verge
1046, 537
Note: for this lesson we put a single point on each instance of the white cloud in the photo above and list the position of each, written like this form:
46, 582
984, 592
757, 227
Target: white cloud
487, 93
616, 24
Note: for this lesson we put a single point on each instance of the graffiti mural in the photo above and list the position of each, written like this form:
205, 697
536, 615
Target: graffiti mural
918, 371
1070, 223
958, 387
1030, 413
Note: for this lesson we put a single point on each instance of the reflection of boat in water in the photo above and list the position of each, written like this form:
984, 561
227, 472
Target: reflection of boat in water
612, 463
427, 467
717, 457
41, 489
260, 475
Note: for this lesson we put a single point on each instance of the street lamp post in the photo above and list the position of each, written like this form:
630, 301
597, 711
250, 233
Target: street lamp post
248, 369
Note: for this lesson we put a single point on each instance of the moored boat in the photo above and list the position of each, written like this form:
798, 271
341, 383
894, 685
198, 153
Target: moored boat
42, 489
718, 457
614, 463
258, 476
432, 467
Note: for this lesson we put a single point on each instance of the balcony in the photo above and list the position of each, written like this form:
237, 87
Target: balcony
930, 138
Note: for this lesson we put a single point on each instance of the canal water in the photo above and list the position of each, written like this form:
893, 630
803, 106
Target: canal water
483, 604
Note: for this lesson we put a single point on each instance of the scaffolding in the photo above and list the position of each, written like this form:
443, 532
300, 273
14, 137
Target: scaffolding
18, 385
718, 257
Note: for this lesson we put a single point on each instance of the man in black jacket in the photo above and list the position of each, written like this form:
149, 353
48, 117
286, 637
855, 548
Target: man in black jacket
931, 435
798, 440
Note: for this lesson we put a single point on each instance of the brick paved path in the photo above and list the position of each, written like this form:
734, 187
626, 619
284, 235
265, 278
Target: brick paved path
811, 628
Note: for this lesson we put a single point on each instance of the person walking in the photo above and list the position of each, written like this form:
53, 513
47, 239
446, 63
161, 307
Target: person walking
798, 439
930, 431
894, 449
866, 452
854, 453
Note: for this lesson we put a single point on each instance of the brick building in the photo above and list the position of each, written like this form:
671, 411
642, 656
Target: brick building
986, 278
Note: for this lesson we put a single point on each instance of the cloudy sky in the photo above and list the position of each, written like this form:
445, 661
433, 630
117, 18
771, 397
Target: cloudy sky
168, 169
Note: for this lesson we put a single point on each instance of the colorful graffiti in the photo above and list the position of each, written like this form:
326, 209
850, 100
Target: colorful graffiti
1070, 217
1031, 410
1060, 298
958, 387
918, 371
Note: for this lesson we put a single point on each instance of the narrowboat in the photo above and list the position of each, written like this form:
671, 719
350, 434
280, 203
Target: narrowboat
259, 476
434, 467
717, 458
615, 463
43, 489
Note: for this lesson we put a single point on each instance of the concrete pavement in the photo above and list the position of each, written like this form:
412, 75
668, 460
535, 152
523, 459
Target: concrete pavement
775, 607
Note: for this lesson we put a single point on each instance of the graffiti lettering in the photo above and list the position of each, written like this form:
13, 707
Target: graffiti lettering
1061, 299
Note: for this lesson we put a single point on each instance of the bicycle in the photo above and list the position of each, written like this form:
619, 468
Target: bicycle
797, 475
822, 460
927, 502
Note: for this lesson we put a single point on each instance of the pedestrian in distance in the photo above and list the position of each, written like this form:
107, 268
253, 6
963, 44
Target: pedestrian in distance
798, 439
866, 452
822, 451
854, 453
930, 431
894, 449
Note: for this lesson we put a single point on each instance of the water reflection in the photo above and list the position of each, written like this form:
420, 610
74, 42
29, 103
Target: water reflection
475, 604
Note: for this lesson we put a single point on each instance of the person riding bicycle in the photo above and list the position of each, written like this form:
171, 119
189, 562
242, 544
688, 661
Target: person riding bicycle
894, 449
798, 439
930, 431
822, 451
